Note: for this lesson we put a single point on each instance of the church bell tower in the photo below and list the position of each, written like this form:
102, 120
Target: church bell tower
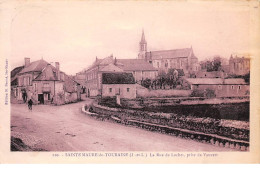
142, 47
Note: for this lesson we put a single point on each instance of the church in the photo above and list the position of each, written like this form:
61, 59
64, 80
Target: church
181, 59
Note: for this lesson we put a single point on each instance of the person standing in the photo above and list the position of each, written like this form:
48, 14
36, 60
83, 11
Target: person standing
30, 103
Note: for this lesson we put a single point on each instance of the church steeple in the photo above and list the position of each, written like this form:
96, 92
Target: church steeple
142, 47
143, 38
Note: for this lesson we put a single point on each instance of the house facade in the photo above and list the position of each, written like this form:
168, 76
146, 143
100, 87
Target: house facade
44, 84
169, 59
118, 84
138, 68
234, 87
239, 65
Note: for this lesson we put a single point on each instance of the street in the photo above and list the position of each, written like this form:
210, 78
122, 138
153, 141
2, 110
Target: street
65, 128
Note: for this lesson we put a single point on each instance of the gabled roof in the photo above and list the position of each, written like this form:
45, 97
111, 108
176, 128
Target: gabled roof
212, 74
111, 68
48, 74
35, 66
134, 65
118, 78
16, 70
14, 74
69, 84
216, 81
176, 53
234, 81
104, 61
205, 80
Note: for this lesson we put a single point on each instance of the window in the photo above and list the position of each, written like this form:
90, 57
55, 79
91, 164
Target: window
158, 64
24, 81
128, 89
232, 87
239, 87
29, 81
110, 90
150, 62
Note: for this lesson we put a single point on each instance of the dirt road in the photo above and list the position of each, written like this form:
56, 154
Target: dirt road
65, 128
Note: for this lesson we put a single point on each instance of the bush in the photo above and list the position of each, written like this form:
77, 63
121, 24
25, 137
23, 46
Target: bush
197, 93
208, 93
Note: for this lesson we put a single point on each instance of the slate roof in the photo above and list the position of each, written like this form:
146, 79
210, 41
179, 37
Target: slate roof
134, 65
118, 78
49, 73
176, 53
104, 61
235, 81
111, 68
14, 73
215, 81
212, 74
35, 66
16, 70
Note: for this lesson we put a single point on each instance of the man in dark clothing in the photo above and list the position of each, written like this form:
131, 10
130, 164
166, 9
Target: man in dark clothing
30, 102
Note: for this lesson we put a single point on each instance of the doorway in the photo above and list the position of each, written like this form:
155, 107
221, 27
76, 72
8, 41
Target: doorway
40, 98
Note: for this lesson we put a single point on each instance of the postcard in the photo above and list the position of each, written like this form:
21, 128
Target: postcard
129, 81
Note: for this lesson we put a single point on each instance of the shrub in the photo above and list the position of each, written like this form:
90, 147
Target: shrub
197, 93
208, 93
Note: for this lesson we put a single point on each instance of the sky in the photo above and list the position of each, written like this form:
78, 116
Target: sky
74, 33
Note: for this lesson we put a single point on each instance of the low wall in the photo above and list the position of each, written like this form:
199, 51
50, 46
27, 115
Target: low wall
202, 129
205, 125
141, 92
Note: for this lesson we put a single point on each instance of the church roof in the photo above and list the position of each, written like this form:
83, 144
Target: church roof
176, 53
134, 65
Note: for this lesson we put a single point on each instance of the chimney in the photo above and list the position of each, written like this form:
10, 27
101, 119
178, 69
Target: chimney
57, 65
26, 62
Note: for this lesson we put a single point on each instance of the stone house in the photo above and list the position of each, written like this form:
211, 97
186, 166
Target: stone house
234, 87
44, 84
118, 84
239, 65
139, 69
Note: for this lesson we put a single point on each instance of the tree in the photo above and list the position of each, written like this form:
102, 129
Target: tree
212, 65
216, 63
146, 83
247, 77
